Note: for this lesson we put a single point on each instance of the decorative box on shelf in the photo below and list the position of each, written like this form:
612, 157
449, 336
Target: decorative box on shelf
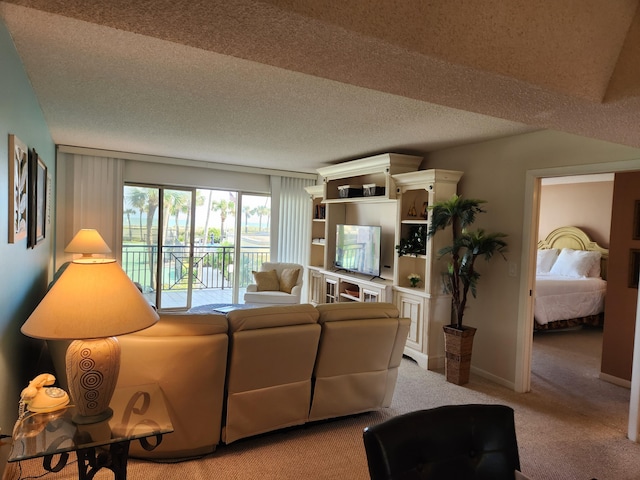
349, 191
372, 190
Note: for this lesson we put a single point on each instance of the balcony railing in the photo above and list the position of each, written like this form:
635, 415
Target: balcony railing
213, 266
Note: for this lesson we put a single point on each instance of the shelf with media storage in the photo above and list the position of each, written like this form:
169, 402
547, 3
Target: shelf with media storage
402, 209
355, 193
427, 304
340, 286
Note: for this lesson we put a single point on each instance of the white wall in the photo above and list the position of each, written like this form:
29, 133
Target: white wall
496, 171
190, 176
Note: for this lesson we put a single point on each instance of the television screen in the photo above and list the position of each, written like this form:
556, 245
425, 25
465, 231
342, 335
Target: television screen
358, 248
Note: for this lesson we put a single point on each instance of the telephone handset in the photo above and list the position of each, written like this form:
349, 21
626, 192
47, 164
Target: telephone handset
39, 397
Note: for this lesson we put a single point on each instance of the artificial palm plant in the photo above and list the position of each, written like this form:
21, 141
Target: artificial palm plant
466, 246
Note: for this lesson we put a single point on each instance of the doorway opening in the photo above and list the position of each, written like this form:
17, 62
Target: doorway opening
530, 235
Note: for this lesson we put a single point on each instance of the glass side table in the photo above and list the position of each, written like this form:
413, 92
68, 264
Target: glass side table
139, 412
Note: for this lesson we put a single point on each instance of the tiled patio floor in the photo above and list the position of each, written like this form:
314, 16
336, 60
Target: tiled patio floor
177, 298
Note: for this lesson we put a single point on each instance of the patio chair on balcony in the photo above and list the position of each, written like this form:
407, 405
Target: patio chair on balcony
276, 284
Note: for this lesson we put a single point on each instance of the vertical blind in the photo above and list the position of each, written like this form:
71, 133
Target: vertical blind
294, 227
96, 197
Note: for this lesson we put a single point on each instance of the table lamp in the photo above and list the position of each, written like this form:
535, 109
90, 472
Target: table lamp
91, 302
88, 242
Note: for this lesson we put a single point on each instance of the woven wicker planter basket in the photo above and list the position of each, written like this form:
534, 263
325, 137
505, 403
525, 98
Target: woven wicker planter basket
458, 345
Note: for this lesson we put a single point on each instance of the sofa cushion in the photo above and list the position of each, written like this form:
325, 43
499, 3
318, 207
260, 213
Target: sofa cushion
186, 324
270, 298
288, 279
274, 316
267, 281
335, 312
355, 368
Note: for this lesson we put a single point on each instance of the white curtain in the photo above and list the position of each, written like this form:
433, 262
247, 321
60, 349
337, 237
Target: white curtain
294, 218
93, 198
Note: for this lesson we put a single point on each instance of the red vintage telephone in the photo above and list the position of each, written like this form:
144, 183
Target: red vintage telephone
39, 397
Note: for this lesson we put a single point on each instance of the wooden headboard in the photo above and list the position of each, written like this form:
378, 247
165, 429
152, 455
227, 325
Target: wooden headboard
573, 237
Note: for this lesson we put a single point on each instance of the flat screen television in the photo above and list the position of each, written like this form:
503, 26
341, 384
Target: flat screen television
358, 248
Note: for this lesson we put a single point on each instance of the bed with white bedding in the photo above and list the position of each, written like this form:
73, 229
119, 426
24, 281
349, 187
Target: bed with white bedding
570, 280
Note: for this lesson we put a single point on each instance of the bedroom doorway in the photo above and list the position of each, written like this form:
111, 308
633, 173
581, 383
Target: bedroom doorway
567, 342
575, 212
529, 248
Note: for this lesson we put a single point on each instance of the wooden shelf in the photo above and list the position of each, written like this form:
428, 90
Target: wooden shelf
419, 221
372, 199
350, 297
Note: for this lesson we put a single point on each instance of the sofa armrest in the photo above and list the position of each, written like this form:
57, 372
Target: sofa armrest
252, 287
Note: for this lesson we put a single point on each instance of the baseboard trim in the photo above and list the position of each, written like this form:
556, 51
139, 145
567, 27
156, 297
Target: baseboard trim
494, 378
427, 362
621, 382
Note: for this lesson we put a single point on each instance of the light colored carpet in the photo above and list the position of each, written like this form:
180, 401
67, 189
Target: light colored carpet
571, 426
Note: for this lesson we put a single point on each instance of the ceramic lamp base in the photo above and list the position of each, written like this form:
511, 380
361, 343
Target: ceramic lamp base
90, 419
92, 372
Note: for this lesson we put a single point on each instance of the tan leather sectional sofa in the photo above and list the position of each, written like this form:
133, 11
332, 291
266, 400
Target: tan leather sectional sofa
262, 369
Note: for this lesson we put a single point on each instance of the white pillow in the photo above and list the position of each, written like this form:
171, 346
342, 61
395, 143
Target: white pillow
545, 260
595, 269
574, 263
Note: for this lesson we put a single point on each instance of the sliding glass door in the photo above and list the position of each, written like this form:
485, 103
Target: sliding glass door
157, 243
215, 248
179, 244
255, 234
176, 249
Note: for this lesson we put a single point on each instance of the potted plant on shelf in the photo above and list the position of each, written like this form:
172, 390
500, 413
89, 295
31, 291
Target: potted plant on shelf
461, 277
416, 242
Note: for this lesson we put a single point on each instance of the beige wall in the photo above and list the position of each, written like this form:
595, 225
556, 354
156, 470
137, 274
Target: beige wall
583, 205
620, 308
496, 171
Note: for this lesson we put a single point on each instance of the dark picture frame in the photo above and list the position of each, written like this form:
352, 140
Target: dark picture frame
37, 199
636, 221
634, 267
18, 189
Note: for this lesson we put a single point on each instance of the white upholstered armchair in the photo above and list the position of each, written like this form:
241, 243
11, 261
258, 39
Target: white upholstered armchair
276, 284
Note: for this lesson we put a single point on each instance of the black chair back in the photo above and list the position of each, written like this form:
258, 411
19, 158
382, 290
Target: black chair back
454, 442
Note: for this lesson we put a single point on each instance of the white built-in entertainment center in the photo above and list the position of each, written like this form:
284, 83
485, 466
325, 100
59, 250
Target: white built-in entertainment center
397, 201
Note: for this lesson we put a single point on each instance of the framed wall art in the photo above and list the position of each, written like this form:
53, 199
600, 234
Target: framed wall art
18, 189
37, 199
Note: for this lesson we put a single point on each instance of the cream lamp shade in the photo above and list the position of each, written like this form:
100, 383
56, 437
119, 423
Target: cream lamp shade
91, 299
87, 242
91, 302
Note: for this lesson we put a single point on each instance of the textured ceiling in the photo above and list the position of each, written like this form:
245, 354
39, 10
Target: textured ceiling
297, 84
